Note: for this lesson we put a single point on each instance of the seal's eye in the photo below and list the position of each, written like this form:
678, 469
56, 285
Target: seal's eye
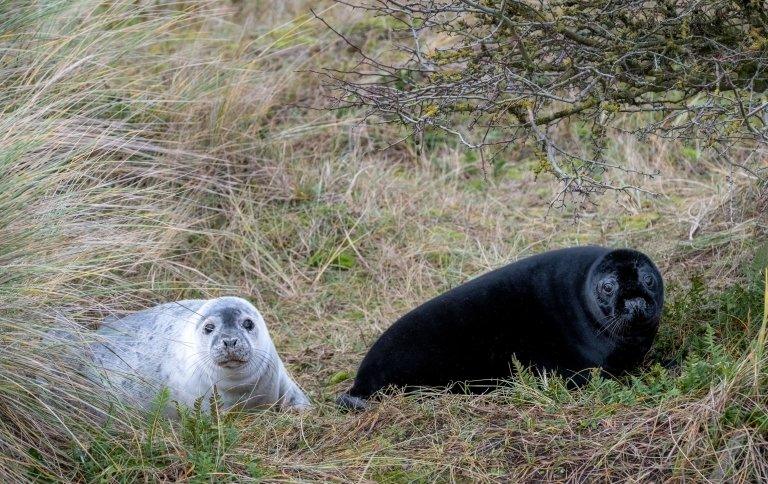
607, 287
248, 324
648, 280
208, 328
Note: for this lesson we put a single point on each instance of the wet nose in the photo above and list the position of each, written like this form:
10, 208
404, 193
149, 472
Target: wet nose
636, 305
229, 343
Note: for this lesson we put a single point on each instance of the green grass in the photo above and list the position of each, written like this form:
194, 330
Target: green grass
151, 152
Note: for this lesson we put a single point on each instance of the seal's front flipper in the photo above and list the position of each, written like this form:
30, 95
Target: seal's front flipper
298, 402
355, 404
292, 397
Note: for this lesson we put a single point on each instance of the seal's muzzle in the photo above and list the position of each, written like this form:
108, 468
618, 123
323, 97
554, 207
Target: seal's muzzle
231, 351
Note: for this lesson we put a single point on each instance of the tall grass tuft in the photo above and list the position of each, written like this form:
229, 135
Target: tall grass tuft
102, 176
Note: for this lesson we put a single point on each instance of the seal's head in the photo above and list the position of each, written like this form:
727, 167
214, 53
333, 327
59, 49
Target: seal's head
234, 335
627, 293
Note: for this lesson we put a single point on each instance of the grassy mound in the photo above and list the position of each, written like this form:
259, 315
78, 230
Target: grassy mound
153, 151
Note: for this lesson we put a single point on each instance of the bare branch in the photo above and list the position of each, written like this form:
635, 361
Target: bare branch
508, 73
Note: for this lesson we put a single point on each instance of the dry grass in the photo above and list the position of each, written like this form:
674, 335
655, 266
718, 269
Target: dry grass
158, 151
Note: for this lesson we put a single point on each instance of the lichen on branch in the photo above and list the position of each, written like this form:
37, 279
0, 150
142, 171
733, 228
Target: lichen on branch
502, 73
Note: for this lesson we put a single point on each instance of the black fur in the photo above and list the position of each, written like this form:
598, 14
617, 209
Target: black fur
566, 310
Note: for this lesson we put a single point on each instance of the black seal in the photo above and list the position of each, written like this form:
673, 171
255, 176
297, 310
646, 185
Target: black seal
565, 311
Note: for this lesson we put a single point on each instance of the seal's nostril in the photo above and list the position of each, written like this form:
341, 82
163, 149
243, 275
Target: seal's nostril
229, 342
635, 305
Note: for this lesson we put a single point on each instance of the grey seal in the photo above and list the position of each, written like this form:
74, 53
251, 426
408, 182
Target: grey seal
190, 347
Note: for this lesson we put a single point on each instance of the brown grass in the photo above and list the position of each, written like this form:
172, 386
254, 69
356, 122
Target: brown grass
156, 152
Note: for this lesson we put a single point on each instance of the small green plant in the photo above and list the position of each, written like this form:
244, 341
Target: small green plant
113, 456
343, 259
207, 437
339, 377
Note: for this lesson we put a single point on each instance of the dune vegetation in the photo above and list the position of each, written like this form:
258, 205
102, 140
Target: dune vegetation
152, 151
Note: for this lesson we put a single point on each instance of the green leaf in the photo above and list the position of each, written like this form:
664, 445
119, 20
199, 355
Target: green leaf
339, 377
